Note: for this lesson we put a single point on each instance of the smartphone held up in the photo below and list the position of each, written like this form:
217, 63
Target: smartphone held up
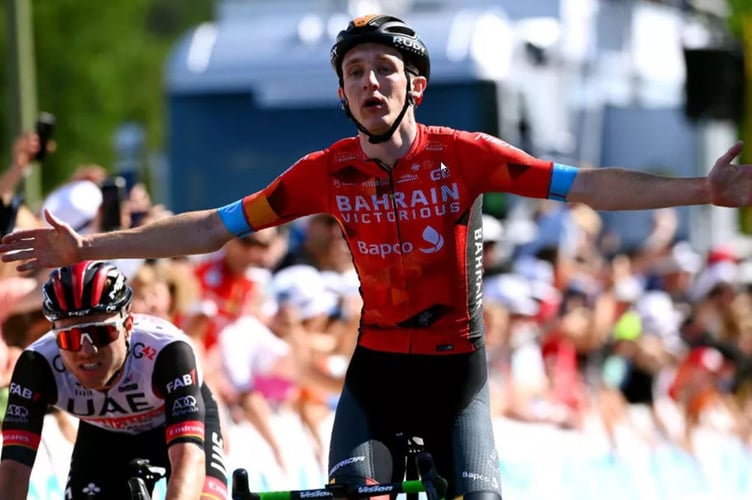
45, 126
113, 196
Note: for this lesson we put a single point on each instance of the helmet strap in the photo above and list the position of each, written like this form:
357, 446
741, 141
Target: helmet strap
379, 138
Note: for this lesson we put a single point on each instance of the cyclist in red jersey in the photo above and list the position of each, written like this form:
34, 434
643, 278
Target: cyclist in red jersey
408, 199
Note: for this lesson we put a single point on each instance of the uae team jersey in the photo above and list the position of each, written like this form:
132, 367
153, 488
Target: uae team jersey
414, 231
159, 387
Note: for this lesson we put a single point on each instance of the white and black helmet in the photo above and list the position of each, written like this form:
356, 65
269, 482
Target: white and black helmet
386, 30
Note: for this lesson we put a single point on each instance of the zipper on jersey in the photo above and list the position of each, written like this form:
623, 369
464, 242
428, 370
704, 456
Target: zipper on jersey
400, 242
390, 173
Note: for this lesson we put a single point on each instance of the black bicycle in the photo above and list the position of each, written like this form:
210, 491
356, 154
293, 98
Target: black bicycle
421, 476
144, 478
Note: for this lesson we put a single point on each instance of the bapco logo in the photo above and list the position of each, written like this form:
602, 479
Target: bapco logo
433, 238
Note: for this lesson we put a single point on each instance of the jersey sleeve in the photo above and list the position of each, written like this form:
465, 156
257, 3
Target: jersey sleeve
301, 190
176, 378
495, 166
32, 390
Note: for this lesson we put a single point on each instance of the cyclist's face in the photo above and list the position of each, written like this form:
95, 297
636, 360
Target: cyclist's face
374, 85
93, 366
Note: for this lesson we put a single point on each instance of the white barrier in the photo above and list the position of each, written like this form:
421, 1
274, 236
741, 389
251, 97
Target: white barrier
537, 462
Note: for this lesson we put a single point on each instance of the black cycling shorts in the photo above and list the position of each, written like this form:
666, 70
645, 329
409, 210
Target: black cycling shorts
99, 464
441, 399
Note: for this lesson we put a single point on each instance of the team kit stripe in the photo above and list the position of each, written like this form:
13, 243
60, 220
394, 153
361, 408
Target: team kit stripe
192, 429
258, 211
25, 439
214, 489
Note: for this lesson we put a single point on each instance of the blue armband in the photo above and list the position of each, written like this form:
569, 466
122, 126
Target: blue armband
562, 178
234, 220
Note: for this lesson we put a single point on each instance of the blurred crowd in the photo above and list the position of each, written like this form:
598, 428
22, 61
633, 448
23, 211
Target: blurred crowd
580, 329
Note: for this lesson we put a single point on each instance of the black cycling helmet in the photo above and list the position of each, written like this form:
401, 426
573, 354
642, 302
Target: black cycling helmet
386, 30
389, 31
86, 288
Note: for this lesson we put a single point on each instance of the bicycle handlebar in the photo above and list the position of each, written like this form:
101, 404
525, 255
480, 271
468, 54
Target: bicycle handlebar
435, 485
138, 489
144, 477
332, 491
431, 483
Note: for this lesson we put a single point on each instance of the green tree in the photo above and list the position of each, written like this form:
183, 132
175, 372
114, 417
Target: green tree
100, 64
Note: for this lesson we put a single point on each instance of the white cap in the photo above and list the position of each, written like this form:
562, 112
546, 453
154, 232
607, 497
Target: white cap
305, 288
345, 284
682, 258
75, 203
512, 291
745, 272
658, 313
714, 274
628, 289
534, 269
493, 230
541, 275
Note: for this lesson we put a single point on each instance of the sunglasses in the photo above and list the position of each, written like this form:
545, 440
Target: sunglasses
98, 334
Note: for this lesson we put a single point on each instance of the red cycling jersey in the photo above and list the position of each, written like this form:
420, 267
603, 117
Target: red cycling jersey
414, 231
234, 296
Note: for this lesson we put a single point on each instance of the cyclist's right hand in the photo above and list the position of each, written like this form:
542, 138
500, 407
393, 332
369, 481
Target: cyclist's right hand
53, 246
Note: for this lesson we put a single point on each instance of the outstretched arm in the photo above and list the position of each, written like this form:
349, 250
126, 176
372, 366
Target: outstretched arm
726, 185
183, 234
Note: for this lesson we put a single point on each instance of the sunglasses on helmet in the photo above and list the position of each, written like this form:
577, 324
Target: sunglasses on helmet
99, 334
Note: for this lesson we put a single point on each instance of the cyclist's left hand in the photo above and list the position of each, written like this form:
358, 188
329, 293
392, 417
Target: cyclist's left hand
730, 185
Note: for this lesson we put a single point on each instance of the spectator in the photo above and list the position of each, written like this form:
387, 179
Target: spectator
698, 389
322, 245
138, 208
677, 270
233, 281
151, 291
248, 351
565, 398
78, 202
495, 250
309, 318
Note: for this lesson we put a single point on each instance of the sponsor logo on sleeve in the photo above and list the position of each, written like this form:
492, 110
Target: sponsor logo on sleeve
14, 437
17, 414
182, 381
23, 392
184, 405
190, 429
